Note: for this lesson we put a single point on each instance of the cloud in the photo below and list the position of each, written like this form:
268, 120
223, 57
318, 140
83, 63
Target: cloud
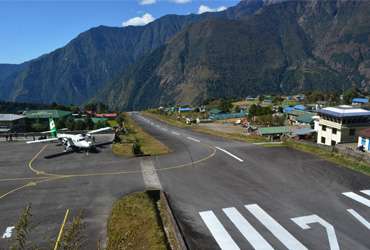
205, 8
147, 2
180, 1
139, 20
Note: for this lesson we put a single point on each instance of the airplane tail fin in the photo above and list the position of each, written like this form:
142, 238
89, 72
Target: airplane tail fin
53, 128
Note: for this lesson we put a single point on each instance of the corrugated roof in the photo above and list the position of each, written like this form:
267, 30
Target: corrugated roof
360, 100
10, 117
305, 118
47, 113
303, 131
344, 111
274, 130
227, 116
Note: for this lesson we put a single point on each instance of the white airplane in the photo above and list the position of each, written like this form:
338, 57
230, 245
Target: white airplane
70, 141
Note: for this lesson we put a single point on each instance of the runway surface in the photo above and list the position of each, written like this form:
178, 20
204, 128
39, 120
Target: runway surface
225, 194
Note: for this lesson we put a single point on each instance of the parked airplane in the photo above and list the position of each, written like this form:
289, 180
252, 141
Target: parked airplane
72, 141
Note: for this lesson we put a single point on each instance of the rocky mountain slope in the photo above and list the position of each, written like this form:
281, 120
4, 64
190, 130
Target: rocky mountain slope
256, 47
284, 47
78, 71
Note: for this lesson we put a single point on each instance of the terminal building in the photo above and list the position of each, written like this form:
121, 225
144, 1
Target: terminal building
341, 124
10, 123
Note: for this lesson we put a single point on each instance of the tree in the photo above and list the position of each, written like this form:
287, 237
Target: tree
89, 124
349, 94
74, 237
225, 106
22, 229
80, 125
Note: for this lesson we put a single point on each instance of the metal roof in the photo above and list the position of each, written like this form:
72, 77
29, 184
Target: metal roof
303, 131
344, 111
47, 113
360, 100
305, 118
10, 117
274, 130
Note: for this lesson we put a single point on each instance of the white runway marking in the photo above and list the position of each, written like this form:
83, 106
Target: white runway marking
247, 230
192, 139
361, 219
227, 152
305, 220
357, 198
367, 192
175, 133
218, 231
275, 228
8, 232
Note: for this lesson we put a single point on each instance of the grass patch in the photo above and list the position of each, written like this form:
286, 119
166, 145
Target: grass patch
135, 134
332, 156
134, 224
112, 123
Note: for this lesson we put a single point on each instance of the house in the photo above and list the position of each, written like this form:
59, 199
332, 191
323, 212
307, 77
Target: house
225, 116
185, 109
303, 133
304, 117
341, 124
364, 139
360, 101
274, 132
12, 123
46, 114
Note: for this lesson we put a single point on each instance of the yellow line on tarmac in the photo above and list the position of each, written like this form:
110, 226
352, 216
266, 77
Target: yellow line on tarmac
16, 189
38, 172
30, 184
61, 230
23, 179
52, 177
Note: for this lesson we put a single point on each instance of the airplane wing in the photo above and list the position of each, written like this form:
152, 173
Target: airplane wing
98, 130
44, 140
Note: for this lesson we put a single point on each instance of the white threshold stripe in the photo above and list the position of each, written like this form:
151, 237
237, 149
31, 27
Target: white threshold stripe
218, 231
227, 152
193, 139
367, 192
247, 230
361, 219
175, 133
275, 228
357, 198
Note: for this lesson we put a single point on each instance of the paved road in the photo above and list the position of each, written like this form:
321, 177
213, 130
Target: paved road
246, 196
93, 183
225, 194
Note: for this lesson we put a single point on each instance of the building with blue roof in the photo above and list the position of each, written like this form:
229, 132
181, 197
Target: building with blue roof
360, 101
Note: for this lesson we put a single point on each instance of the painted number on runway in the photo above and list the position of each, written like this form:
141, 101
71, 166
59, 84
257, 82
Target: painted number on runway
8, 232
255, 239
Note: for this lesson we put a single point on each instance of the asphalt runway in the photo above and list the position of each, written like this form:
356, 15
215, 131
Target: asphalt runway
246, 196
224, 194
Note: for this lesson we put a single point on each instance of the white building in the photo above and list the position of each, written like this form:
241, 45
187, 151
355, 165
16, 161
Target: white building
364, 139
341, 124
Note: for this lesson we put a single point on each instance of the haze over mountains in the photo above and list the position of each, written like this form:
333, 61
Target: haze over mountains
256, 47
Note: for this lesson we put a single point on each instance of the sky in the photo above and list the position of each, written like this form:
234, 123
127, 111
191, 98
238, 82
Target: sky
30, 28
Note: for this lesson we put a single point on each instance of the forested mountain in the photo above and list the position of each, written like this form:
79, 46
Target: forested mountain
284, 47
256, 47
76, 72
